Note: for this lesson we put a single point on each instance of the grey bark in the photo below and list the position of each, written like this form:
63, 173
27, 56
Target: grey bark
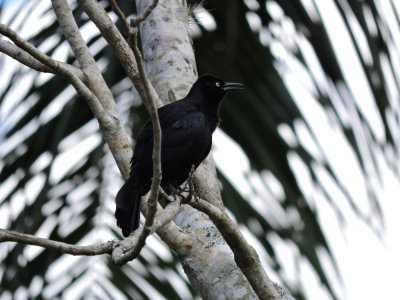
170, 64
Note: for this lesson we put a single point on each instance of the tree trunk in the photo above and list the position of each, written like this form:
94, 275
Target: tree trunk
171, 67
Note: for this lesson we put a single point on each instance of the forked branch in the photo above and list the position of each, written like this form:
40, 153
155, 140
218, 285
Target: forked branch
120, 251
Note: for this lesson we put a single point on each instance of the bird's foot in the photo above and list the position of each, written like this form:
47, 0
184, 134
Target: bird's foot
171, 193
189, 194
175, 193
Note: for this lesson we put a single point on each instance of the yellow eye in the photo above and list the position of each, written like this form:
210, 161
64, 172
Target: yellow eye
217, 84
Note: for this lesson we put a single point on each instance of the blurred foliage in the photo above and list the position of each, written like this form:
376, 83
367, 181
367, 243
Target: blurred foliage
44, 118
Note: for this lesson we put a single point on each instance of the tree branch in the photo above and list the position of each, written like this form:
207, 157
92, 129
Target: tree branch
112, 130
146, 13
13, 236
73, 36
118, 11
130, 248
135, 21
18, 54
121, 251
117, 42
23, 56
60, 69
245, 256
95, 80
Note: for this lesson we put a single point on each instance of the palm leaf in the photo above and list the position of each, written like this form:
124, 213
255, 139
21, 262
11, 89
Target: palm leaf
49, 190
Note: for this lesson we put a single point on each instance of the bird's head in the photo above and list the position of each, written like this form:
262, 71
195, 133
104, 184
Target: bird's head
212, 88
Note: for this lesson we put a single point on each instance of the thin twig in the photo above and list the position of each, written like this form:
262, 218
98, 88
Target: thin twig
13, 236
118, 11
24, 58
113, 36
28, 60
150, 103
21, 43
82, 53
22, 51
157, 135
146, 13
121, 251
155, 184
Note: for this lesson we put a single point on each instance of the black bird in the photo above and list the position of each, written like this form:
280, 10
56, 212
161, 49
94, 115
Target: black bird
187, 126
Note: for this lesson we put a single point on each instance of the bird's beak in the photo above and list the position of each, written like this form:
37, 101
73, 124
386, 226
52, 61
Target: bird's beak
232, 86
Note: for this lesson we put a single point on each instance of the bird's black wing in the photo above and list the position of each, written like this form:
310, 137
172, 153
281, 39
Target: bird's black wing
167, 115
142, 154
185, 142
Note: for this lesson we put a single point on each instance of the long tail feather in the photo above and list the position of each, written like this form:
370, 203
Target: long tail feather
127, 211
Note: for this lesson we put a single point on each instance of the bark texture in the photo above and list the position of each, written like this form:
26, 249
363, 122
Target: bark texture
170, 64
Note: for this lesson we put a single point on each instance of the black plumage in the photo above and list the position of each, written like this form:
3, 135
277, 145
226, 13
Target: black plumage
187, 126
